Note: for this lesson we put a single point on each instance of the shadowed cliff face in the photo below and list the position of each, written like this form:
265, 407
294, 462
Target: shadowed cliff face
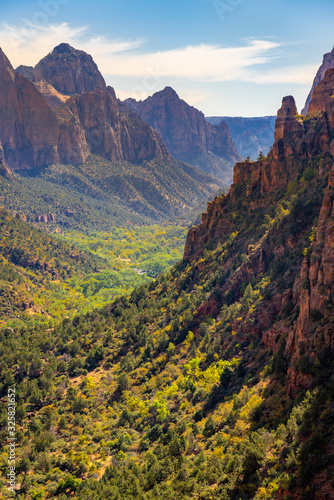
186, 132
94, 123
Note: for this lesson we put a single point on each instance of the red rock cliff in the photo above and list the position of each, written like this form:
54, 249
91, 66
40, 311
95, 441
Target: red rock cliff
28, 126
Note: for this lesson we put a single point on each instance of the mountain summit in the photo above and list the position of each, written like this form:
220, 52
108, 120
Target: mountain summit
187, 134
68, 70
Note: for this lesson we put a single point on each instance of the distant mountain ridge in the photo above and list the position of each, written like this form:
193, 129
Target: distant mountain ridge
250, 135
186, 133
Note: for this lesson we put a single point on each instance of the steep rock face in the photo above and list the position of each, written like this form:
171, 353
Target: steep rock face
29, 127
250, 135
184, 129
69, 71
297, 136
94, 123
327, 63
293, 136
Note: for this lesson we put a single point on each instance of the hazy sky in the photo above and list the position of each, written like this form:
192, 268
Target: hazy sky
226, 57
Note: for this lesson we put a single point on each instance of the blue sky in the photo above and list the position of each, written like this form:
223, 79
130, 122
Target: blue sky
226, 57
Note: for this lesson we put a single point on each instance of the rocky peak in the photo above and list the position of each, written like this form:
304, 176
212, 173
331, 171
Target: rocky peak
6, 69
186, 132
4, 61
327, 63
167, 92
65, 48
26, 71
285, 117
69, 71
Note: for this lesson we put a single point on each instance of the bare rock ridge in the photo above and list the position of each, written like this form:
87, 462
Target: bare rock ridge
68, 70
186, 132
293, 137
327, 63
33, 135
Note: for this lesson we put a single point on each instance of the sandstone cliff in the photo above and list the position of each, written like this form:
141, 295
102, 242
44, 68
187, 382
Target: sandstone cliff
29, 127
32, 135
300, 162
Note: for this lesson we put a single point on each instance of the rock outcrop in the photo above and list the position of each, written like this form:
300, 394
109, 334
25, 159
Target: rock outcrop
185, 131
28, 127
323, 98
68, 70
298, 142
317, 286
327, 63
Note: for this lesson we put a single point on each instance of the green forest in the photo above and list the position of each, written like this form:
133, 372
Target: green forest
47, 277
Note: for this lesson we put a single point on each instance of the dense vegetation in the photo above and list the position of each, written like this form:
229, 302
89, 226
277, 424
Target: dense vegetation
43, 277
170, 392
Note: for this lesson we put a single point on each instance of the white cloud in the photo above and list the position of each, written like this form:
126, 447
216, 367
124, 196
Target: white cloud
28, 43
296, 75
200, 62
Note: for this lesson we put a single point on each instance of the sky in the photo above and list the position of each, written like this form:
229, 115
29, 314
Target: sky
225, 57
